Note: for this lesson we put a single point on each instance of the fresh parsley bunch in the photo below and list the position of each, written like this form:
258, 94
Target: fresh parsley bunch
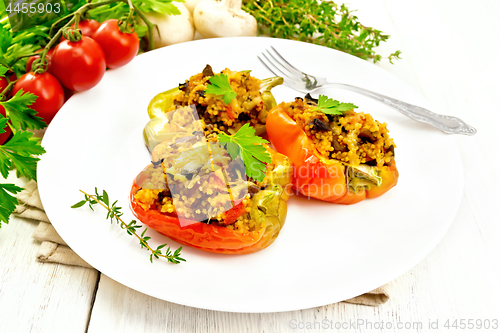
21, 150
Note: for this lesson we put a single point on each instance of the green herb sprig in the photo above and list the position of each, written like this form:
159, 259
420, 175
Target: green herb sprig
114, 214
245, 144
21, 150
331, 106
8, 201
19, 113
220, 86
118, 9
319, 22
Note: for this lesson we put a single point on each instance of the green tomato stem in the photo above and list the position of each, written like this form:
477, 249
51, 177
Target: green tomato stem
4, 92
21, 57
126, 24
89, 5
150, 26
42, 69
56, 23
73, 34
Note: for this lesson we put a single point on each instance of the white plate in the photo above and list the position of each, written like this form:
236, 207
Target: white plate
325, 252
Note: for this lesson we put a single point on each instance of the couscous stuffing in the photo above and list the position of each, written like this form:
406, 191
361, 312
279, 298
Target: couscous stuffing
251, 105
353, 138
195, 178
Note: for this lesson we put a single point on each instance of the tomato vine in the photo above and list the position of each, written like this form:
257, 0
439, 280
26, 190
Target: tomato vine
22, 95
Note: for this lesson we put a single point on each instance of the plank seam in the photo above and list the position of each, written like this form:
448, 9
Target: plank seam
92, 302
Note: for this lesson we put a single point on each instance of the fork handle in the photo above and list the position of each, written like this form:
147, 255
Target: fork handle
447, 124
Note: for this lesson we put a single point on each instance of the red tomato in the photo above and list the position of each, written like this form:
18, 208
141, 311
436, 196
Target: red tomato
78, 65
88, 28
4, 81
49, 91
120, 48
67, 93
4, 136
33, 58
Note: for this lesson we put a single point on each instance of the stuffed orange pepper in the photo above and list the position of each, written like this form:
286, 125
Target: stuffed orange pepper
338, 155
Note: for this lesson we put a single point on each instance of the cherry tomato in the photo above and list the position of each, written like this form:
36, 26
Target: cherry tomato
33, 58
4, 136
67, 93
119, 47
49, 91
78, 65
4, 81
88, 27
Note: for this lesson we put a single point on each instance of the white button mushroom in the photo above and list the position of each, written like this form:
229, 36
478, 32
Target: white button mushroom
191, 4
173, 28
223, 18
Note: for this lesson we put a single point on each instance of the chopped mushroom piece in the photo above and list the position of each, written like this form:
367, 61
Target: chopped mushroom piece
366, 135
320, 125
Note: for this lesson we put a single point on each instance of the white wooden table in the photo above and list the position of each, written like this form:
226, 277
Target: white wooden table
451, 54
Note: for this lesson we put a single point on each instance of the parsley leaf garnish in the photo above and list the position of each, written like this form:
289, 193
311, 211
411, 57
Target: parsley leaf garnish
18, 152
219, 85
22, 117
243, 144
8, 202
330, 106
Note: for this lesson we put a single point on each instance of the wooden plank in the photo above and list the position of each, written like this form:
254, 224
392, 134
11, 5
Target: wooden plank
36, 297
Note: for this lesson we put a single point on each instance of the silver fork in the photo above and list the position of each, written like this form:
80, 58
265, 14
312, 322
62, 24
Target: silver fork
300, 81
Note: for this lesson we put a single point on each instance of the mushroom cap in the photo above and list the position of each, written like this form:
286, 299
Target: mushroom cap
173, 28
217, 19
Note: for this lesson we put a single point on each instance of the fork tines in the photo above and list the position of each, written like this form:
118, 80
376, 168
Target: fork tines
273, 59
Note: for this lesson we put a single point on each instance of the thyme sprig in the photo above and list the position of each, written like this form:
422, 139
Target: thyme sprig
114, 214
319, 22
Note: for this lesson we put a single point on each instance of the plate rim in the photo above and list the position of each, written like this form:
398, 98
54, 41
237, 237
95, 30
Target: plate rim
397, 272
